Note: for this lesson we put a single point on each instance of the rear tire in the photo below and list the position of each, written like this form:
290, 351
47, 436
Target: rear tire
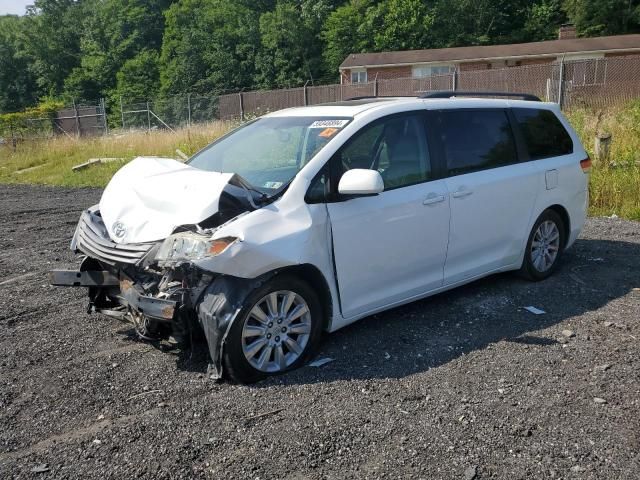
544, 247
276, 331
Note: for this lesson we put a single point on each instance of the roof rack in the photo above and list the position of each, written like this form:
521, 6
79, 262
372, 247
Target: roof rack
378, 97
363, 97
452, 93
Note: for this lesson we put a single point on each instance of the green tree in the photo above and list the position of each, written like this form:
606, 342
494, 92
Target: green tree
209, 46
52, 41
604, 17
343, 33
139, 77
291, 51
479, 22
17, 83
400, 25
115, 33
543, 20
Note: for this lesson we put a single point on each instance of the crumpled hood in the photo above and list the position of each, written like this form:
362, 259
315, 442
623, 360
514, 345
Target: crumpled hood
149, 197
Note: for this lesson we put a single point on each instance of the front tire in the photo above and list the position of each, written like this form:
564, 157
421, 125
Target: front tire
544, 247
277, 330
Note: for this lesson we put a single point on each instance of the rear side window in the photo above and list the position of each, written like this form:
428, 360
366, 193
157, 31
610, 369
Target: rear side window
544, 135
475, 140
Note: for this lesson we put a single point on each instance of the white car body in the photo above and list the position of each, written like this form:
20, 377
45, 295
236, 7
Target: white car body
373, 252
392, 249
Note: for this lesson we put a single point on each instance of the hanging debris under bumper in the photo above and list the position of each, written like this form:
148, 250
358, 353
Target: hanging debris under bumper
73, 278
151, 307
130, 295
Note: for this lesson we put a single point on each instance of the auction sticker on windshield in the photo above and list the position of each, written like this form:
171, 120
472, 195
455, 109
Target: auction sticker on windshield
327, 132
329, 123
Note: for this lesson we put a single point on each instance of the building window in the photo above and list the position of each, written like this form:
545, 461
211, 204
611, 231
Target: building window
429, 70
586, 72
358, 76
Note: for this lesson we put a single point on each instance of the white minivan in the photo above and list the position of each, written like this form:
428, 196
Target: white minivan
308, 219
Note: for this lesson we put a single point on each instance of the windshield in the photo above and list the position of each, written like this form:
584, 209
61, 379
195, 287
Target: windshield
270, 151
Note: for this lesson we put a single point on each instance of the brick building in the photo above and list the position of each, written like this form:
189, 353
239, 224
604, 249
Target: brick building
365, 67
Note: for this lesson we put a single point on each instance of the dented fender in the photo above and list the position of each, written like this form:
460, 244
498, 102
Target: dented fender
221, 304
269, 239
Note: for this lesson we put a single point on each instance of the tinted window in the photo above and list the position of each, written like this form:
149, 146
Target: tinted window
476, 140
543, 133
319, 189
396, 147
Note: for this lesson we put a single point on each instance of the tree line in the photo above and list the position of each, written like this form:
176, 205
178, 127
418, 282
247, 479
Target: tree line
140, 49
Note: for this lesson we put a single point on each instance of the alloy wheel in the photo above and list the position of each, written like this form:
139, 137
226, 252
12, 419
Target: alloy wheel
545, 246
276, 331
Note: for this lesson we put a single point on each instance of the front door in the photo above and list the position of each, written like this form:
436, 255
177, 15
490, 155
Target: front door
391, 246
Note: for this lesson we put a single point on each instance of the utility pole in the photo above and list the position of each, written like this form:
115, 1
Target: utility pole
104, 116
241, 106
75, 109
188, 110
122, 111
561, 83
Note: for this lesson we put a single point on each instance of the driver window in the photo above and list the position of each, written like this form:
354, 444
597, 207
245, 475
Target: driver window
396, 147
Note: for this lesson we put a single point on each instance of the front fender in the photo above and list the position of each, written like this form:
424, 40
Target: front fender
221, 304
270, 238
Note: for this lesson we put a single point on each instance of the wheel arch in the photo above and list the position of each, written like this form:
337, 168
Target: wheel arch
314, 277
566, 220
222, 301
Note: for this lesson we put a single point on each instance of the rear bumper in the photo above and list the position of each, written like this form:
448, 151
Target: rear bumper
130, 295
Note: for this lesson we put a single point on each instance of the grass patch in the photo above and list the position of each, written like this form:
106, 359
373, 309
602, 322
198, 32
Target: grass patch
614, 187
55, 157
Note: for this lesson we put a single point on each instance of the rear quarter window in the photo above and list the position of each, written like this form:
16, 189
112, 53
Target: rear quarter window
544, 134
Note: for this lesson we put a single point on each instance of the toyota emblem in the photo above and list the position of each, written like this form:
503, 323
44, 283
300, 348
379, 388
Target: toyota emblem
119, 230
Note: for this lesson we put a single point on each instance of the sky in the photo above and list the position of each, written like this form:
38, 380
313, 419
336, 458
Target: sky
17, 7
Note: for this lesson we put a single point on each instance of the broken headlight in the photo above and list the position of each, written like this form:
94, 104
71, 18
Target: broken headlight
187, 246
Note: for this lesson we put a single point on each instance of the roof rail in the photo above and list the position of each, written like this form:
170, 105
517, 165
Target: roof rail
452, 93
378, 97
363, 97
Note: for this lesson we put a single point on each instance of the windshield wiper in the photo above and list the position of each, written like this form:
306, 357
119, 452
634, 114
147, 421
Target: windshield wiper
241, 182
280, 190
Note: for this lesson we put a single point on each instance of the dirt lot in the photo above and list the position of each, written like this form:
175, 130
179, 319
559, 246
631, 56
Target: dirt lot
466, 384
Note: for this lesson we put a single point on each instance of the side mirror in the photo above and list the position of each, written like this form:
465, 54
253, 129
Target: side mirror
361, 181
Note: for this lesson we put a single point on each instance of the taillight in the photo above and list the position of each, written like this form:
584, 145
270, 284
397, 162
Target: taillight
585, 165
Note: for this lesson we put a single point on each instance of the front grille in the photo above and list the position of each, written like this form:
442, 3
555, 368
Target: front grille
93, 240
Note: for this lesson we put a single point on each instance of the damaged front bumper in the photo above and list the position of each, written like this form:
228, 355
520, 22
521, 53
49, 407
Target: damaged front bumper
130, 296
164, 295
208, 303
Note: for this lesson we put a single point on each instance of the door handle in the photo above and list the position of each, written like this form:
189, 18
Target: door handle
433, 198
461, 193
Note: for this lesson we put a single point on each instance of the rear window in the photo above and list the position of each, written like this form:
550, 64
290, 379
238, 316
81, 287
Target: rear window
476, 140
544, 135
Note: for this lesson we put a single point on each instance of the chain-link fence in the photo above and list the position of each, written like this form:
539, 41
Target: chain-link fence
170, 113
74, 121
595, 83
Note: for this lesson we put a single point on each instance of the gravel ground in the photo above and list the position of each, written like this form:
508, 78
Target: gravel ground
463, 385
